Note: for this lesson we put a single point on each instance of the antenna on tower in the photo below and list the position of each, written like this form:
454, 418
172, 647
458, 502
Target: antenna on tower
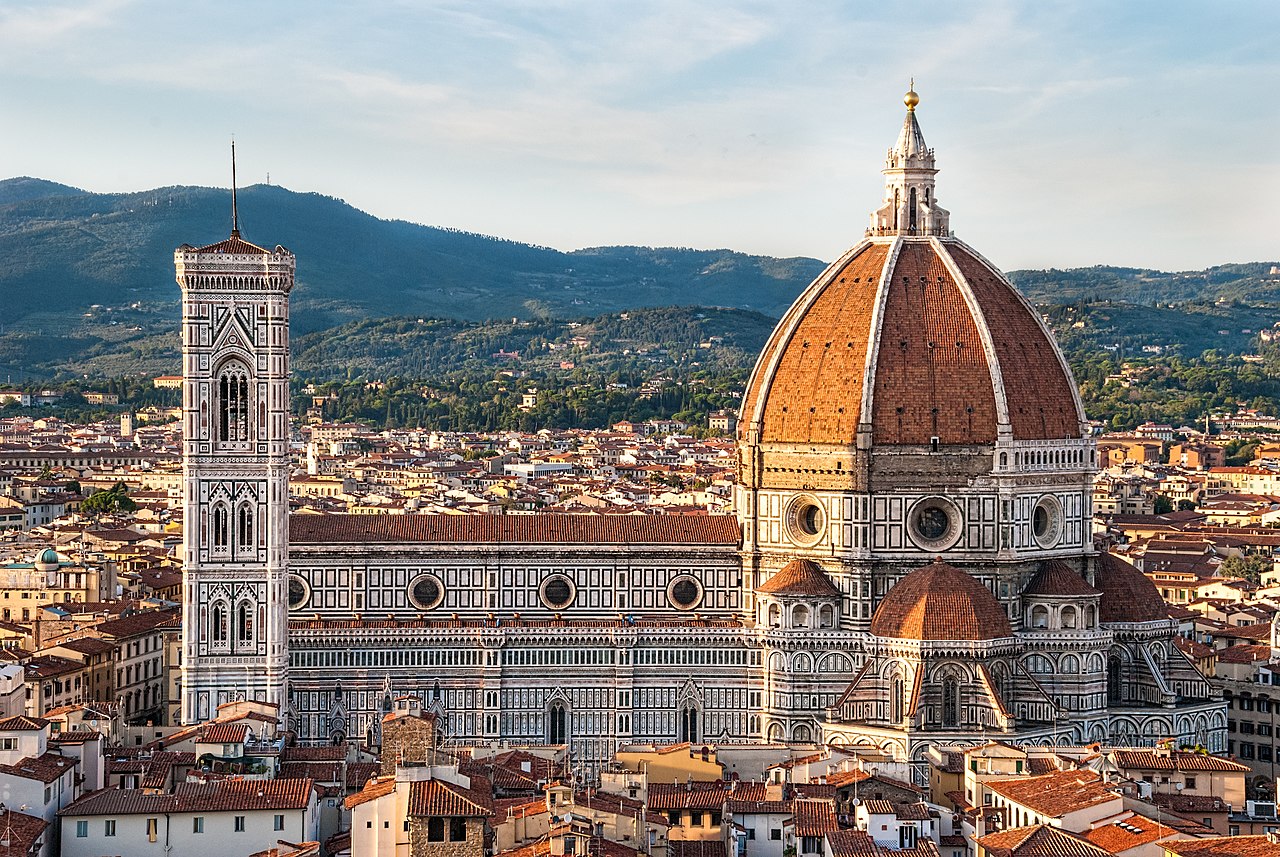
235, 213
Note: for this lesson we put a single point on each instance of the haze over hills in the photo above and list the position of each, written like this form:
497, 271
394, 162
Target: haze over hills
87, 278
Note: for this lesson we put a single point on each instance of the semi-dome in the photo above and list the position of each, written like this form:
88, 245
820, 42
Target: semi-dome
910, 336
940, 602
1128, 595
800, 577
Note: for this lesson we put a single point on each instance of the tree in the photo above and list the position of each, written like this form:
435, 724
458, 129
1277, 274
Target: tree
1162, 505
114, 499
1250, 567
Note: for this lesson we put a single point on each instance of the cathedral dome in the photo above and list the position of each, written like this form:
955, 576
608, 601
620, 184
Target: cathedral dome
1128, 595
940, 602
910, 336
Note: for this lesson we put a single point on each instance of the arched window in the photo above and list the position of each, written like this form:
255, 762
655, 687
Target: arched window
800, 616
219, 623
950, 703
911, 215
1039, 617
1068, 617
233, 403
244, 529
244, 622
557, 725
221, 526
688, 724
896, 699
1114, 671
826, 616
775, 616
1089, 620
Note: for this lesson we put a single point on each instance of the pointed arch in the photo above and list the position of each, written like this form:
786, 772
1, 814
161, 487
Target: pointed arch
231, 402
220, 623
245, 622
221, 525
950, 703
245, 536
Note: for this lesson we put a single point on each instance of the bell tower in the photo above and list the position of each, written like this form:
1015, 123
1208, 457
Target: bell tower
235, 411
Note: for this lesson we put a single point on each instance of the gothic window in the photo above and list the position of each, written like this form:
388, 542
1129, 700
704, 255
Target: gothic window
1114, 671
221, 526
244, 622
219, 623
233, 403
896, 699
911, 221
950, 703
689, 724
557, 725
244, 530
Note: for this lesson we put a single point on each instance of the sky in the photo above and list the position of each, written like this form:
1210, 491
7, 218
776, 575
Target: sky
1067, 133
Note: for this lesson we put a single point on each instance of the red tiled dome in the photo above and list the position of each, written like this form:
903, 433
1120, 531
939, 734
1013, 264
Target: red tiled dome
800, 577
940, 602
919, 367
1056, 579
1128, 595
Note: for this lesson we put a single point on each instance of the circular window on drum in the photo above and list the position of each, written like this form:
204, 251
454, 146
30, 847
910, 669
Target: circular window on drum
426, 592
299, 592
1046, 521
806, 521
557, 592
685, 592
934, 523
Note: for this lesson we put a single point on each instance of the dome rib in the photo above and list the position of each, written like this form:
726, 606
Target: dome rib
940, 602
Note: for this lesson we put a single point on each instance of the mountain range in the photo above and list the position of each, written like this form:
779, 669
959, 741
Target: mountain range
87, 278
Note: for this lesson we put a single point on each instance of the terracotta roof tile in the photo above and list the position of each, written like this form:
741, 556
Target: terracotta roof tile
940, 602
667, 796
800, 577
224, 733
1174, 760
1041, 401
440, 798
1127, 594
813, 394
1056, 579
1039, 841
548, 528
931, 374
234, 245
217, 796
1055, 795
1226, 846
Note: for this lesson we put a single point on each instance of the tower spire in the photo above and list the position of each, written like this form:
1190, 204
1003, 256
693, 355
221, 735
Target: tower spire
909, 206
235, 213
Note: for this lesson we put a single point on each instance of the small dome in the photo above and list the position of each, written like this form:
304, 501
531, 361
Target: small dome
940, 602
1128, 595
800, 577
48, 555
1056, 579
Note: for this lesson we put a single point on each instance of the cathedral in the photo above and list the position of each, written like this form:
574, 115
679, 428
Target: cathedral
911, 561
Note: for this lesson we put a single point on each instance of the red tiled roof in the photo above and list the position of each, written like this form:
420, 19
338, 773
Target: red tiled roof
1174, 760
234, 245
814, 817
1055, 795
224, 733
1226, 846
45, 769
23, 723
1056, 579
440, 798
1039, 841
1127, 594
800, 577
372, 790
940, 602
21, 832
216, 796
667, 796
546, 528
1130, 833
